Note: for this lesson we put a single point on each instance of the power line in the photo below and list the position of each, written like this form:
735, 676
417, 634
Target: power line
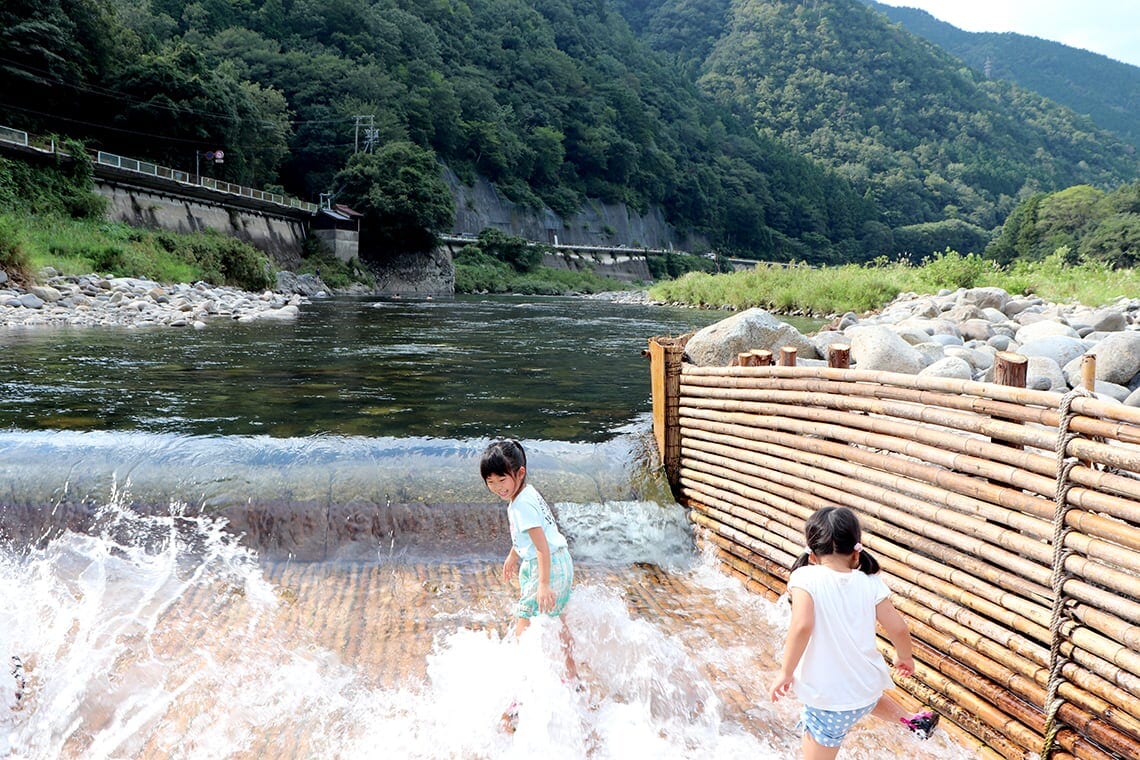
93, 89
308, 148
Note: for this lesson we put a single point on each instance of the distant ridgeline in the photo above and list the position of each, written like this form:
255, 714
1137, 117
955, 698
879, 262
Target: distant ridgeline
1089, 83
773, 129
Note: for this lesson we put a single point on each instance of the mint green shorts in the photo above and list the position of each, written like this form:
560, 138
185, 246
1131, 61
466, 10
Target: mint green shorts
561, 578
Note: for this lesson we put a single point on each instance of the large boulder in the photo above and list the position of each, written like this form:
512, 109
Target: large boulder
949, 366
877, 347
1118, 357
1044, 328
1060, 348
753, 329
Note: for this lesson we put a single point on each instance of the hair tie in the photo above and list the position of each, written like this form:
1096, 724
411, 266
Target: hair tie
807, 549
858, 547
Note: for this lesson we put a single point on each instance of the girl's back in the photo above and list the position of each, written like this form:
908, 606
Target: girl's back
841, 668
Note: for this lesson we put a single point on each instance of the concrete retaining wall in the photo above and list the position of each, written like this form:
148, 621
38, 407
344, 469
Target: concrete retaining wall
279, 235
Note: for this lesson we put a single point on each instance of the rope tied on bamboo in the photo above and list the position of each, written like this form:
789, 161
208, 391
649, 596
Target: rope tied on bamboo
1061, 612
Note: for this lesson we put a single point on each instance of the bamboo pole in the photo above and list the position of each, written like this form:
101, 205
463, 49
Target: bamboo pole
941, 489
1096, 417
931, 524
966, 558
1088, 372
666, 359
1124, 508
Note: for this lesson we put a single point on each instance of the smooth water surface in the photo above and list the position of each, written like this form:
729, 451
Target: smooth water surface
562, 369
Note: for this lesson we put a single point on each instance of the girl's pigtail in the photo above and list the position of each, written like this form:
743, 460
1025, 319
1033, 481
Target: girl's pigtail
867, 562
803, 559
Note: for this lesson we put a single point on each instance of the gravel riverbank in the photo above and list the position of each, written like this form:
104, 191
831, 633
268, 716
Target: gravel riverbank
95, 300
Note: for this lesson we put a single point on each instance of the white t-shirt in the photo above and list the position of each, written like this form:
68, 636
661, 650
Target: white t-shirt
841, 669
529, 510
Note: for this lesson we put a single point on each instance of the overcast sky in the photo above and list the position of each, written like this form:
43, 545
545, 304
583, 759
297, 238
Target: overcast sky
1109, 27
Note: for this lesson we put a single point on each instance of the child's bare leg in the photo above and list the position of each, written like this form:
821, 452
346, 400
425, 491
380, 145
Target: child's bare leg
568, 650
813, 750
888, 709
521, 624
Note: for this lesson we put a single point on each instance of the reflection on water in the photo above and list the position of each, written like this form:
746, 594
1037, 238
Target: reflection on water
557, 368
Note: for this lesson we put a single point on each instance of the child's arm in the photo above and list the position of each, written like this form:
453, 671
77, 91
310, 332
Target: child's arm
799, 632
545, 595
895, 628
511, 565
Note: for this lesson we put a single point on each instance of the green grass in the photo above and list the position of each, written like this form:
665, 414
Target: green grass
79, 246
824, 291
478, 272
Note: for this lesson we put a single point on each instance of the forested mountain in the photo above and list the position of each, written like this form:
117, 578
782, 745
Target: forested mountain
1089, 83
554, 101
941, 150
785, 130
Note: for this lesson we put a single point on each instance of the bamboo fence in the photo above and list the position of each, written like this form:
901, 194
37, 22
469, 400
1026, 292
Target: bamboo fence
1006, 521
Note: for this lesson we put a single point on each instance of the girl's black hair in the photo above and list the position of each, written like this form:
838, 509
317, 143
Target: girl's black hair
505, 457
835, 530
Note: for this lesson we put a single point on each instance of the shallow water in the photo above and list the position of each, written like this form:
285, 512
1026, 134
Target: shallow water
163, 637
271, 541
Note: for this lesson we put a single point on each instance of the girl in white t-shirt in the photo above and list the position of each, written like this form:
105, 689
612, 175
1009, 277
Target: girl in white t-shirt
539, 556
830, 657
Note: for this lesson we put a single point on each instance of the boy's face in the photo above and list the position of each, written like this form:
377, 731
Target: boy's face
506, 487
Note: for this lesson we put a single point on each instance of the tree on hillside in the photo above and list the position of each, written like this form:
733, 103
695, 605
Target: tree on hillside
1099, 226
401, 193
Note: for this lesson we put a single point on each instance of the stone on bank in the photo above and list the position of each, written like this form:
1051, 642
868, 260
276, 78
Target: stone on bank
956, 334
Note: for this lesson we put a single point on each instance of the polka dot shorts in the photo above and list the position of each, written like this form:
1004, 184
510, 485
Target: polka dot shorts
829, 727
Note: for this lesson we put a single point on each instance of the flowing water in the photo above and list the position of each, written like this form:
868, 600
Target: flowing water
270, 541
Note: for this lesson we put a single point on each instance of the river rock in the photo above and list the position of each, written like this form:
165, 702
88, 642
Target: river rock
1118, 357
958, 334
825, 339
949, 366
93, 300
1060, 348
876, 347
1043, 328
753, 329
1044, 374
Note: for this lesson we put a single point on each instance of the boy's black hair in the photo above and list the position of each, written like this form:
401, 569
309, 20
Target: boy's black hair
504, 457
835, 530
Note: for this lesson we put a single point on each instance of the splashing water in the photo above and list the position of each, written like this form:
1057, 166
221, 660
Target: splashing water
162, 636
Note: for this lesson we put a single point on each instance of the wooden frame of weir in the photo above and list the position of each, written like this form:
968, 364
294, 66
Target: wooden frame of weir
1006, 521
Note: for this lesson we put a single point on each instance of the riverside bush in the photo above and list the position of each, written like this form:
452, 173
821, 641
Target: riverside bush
13, 253
834, 290
479, 272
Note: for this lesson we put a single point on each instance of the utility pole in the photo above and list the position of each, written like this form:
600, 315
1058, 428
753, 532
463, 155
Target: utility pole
217, 156
371, 134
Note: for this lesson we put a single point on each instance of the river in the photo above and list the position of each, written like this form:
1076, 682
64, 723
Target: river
270, 540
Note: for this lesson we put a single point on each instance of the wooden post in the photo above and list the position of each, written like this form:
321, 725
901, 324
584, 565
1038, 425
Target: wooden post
743, 359
1010, 369
666, 356
788, 356
839, 356
761, 358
